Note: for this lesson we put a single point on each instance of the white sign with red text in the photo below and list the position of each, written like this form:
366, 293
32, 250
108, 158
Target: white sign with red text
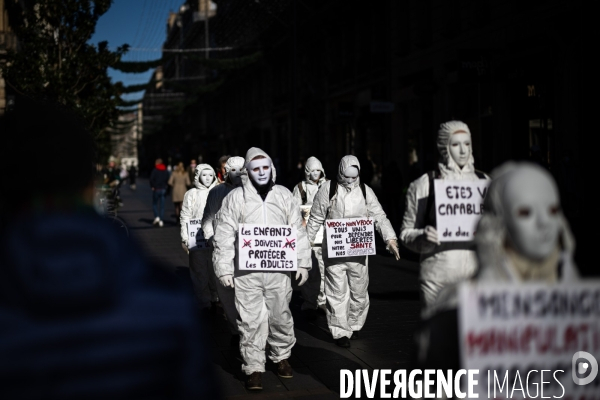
532, 338
350, 237
267, 248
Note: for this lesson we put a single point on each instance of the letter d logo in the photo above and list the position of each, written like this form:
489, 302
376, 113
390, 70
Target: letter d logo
590, 364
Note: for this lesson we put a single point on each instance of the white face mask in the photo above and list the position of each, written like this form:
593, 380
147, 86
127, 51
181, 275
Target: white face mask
260, 171
235, 176
315, 175
460, 148
350, 175
532, 207
206, 177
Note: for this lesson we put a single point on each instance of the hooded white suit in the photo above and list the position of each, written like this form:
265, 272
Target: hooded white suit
201, 270
449, 262
313, 291
347, 278
439, 335
261, 298
209, 223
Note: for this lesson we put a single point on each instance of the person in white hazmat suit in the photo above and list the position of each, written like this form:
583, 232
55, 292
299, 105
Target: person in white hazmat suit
522, 236
234, 176
347, 278
201, 271
313, 291
449, 262
261, 298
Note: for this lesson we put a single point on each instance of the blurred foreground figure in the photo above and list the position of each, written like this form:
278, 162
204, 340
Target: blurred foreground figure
522, 237
83, 315
449, 262
313, 291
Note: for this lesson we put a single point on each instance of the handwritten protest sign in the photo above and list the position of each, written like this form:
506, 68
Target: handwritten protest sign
527, 338
267, 248
350, 237
458, 207
196, 235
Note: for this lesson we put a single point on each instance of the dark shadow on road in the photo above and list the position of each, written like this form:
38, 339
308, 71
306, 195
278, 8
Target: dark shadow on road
399, 295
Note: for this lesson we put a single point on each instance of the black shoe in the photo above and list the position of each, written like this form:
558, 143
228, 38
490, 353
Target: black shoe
235, 341
343, 342
310, 314
355, 335
254, 381
284, 369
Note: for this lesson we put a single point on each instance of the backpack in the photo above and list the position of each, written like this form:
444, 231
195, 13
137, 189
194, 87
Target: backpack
333, 191
429, 210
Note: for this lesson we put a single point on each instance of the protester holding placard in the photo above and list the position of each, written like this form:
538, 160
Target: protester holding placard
234, 176
261, 298
314, 289
447, 262
347, 278
522, 238
201, 270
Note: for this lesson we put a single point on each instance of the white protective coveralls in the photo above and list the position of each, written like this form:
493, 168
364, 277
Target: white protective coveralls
209, 224
496, 264
347, 278
201, 271
313, 291
261, 298
449, 262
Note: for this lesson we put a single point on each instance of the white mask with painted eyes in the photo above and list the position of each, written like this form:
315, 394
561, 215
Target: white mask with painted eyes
459, 148
350, 175
260, 171
207, 177
315, 175
235, 176
532, 207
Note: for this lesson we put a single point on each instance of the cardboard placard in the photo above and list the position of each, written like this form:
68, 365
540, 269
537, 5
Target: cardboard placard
196, 235
267, 248
350, 237
458, 207
517, 331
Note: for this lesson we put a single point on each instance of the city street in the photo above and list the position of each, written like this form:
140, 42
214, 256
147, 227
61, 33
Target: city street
385, 342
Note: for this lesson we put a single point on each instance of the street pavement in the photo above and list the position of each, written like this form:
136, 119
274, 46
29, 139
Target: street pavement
385, 342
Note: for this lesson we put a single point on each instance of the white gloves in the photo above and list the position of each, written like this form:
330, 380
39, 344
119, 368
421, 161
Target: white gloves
226, 280
392, 247
431, 235
185, 247
302, 274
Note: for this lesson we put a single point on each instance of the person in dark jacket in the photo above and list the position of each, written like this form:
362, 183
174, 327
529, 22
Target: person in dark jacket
84, 315
159, 180
132, 175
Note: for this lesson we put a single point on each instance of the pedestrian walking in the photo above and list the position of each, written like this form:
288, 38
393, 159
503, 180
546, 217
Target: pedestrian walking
132, 175
234, 176
313, 291
179, 182
448, 262
191, 171
201, 269
221, 168
159, 178
261, 298
522, 238
347, 278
